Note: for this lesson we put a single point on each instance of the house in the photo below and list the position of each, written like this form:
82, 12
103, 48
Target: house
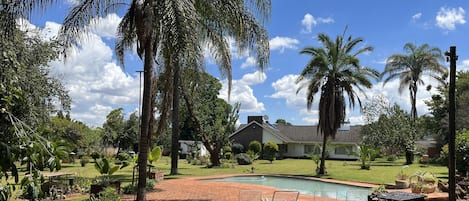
192, 147
298, 141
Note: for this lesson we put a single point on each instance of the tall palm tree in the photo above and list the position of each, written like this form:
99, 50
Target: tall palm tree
335, 71
12, 10
419, 61
171, 36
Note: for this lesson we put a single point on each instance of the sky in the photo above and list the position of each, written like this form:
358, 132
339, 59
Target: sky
97, 83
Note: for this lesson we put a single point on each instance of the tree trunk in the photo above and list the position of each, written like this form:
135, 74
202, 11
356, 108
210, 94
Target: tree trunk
413, 99
146, 115
214, 153
322, 167
175, 120
409, 156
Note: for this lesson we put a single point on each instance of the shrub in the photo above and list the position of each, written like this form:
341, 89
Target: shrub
255, 146
391, 158
109, 194
196, 162
443, 159
227, 155
227, 149
270, 151
462, 153
237, 148
243, 159
225, 165
253, 155
131, 189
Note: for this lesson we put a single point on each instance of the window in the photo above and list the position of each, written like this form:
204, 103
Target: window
312, 148
343, 149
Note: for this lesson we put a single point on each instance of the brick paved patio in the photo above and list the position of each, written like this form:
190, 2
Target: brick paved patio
193, 189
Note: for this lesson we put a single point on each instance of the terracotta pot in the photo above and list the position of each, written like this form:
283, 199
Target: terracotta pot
428, 189
415, 188
401, 184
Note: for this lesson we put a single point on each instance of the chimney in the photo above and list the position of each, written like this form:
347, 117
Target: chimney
259, 119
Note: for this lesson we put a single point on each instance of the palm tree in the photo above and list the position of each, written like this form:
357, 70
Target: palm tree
12, 10
171, 35
335, 70
420, 61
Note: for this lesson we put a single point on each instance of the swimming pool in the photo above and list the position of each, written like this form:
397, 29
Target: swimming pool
304, 186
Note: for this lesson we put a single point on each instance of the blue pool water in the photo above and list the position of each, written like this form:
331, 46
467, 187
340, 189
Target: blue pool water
305, 186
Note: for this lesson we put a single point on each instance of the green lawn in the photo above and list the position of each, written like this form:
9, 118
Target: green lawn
381, 172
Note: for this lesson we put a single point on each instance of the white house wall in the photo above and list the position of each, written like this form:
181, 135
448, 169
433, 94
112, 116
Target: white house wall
297, 150
268, 137
349, 156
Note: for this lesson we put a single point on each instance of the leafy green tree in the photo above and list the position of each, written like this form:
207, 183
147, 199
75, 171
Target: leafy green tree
26, 88
164, 31
392, 130
335, 70
129, 136
462, 152
75, 135
283, 122
28, 94
113, 127
419, 61
270, 151
437, 122
212, 119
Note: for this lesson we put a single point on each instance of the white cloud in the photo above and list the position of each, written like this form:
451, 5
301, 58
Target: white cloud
464, 65
285, 88
73, 2
250, 62
95, 82
282, 43
416, 17
309, 21
243, 93
107, 26
447, 18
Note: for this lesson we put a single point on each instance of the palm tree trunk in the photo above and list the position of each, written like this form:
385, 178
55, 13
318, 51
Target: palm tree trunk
413, 99
322, 167
175, 121
146, 115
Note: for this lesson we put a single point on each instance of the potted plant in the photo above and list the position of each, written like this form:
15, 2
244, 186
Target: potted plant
106, 169
401, 178
422, 182
428, 188
429, 178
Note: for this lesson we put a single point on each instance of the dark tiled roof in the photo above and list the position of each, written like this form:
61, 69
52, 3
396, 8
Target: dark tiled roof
307, 134
310, 134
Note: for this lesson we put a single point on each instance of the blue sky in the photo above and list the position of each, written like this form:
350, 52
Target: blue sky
98, 84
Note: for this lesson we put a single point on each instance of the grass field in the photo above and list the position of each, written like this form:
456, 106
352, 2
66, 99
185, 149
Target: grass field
381, 172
